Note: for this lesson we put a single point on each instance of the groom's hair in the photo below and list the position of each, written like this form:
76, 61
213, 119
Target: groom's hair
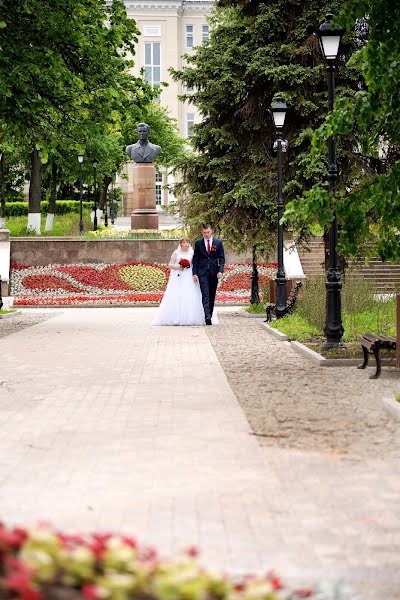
206, 226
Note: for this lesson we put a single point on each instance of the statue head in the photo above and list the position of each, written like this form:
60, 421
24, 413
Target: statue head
143, 131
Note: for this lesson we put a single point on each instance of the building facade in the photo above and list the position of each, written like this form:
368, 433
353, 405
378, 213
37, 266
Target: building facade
169, 29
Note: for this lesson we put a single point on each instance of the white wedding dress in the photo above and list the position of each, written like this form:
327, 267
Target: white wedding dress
181, 303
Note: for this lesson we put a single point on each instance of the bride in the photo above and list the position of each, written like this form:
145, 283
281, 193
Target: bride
181, 304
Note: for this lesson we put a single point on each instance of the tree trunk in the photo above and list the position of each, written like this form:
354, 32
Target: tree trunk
51, 211
35, 193
255, 290
2, 196
326, 251
104, 191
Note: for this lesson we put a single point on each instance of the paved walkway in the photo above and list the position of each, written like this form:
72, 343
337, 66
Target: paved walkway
108, 423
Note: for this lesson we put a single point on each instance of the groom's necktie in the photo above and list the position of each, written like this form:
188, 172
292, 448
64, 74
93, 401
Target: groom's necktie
208, 246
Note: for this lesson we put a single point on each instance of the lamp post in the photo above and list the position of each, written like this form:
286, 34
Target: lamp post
80, 159
95, 194
105, 210
329, 36
278, 111
112, 214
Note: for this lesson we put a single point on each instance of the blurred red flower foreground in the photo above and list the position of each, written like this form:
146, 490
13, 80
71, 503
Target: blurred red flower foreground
44, 564
129, 283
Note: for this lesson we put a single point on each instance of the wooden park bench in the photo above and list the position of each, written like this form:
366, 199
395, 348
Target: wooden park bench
373, 343
290, 302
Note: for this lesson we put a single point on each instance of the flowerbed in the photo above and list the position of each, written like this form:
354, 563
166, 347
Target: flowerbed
45, 564
133, 282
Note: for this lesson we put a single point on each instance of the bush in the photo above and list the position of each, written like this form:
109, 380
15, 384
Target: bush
357, 298
311, 304
63, 207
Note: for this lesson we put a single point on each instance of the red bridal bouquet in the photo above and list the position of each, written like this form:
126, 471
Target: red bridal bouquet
184, 263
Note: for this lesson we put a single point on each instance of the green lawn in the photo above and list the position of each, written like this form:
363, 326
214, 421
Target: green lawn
379, 318
63, 225
256, 309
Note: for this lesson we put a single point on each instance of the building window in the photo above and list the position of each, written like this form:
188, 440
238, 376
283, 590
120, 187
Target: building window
189, 36
152, 63
159, 190
189, 89
189, 124
205, 33
152, 30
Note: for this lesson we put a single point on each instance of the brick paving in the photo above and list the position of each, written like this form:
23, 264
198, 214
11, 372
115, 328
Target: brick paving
108, 423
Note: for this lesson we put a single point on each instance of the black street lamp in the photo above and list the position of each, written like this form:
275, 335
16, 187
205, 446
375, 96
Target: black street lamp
80, 159
112, 214
278, 111
329, 36
95, 195
105, 210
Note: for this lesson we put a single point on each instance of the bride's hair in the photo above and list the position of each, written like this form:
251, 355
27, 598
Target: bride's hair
184, 239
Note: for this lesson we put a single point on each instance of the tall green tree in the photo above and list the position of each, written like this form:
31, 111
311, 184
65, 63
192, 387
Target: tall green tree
256, 51
64, 64
367, 206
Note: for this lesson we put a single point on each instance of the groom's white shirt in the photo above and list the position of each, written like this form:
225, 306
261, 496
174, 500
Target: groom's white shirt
205, 242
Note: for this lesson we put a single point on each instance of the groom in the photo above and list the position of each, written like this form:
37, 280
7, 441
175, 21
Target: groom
208, 265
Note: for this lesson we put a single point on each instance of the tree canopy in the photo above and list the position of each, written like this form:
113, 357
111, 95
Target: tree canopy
66, 85
257, 50
367, 206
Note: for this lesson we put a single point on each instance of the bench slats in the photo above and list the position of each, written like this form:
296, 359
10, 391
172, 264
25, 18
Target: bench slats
374, 342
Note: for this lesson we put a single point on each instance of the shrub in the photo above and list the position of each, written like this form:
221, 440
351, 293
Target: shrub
357, 298
63, 207
311, 304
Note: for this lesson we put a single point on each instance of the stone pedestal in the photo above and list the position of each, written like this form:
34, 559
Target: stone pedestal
144, 214
4, 260
127, 189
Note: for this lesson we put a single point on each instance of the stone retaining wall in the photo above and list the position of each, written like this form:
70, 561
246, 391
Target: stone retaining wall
46, 251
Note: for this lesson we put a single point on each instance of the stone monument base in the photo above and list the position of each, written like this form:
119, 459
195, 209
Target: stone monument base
144, 220
144, 214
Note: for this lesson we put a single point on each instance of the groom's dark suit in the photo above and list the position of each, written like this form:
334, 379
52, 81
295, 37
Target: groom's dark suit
207, 266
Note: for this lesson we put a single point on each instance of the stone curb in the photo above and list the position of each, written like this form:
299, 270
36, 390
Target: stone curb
10, 315
321, 360
278, 334
392, 406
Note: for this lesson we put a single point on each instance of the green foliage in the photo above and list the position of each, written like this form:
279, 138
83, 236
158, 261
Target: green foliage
145, 234
362, 312
380, 318
311, 302
368, 205
66, 85
296, 327
63, 207
256, 309
256, 51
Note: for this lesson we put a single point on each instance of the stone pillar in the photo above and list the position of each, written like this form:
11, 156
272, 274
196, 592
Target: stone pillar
144, 214
127, 190
4, 260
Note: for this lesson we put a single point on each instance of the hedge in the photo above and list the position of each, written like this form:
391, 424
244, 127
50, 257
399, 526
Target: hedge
63, 207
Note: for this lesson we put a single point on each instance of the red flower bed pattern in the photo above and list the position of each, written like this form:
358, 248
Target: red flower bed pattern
133, 282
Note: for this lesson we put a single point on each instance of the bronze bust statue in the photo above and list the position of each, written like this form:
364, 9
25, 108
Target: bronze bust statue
143, 151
